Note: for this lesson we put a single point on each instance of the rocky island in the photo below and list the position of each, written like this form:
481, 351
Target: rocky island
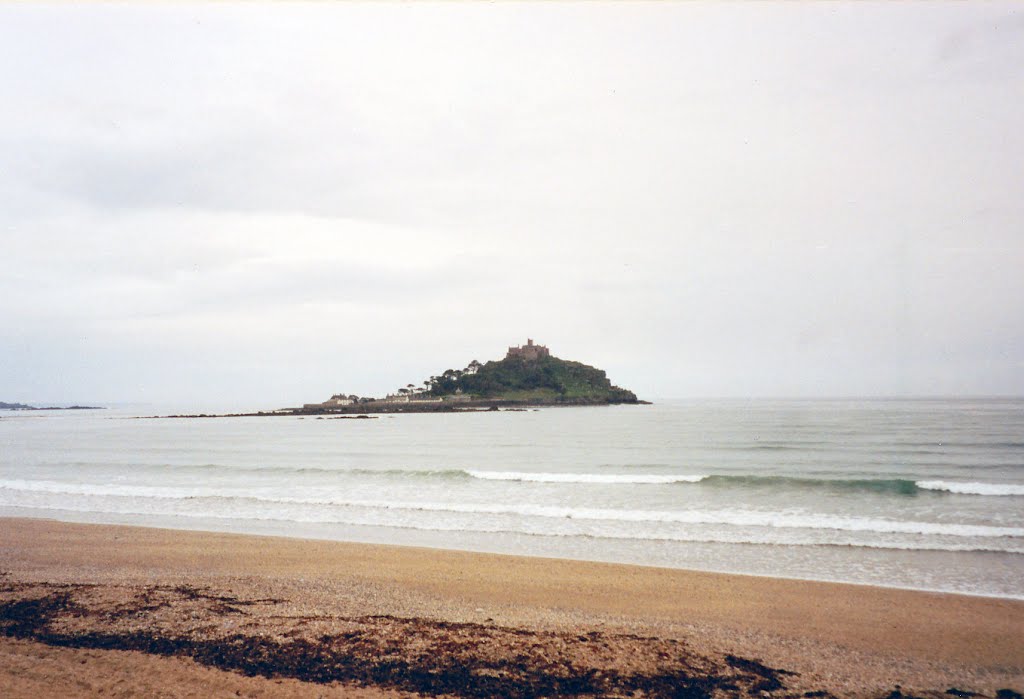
529, 375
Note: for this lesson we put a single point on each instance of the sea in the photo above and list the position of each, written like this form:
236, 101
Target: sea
925, 494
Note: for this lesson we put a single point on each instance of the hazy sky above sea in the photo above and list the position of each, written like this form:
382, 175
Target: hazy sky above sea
267, 204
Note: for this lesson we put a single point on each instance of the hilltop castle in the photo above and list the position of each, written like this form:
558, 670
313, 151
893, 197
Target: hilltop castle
530, 352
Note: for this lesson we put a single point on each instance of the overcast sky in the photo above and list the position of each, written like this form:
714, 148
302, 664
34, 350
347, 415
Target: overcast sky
267, 204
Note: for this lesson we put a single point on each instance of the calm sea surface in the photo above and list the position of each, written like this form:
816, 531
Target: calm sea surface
925, 494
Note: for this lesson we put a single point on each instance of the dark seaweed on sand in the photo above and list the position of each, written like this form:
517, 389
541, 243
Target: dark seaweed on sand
427, 656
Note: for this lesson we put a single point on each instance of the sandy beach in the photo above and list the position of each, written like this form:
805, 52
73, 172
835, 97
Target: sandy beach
125, 611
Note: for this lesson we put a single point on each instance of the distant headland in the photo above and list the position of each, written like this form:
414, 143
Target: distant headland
22, 406
529, 375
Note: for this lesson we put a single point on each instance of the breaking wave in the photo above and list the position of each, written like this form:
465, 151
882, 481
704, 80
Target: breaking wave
726, 517
892, 486
714, 537
583, 477
962, 488
898, 486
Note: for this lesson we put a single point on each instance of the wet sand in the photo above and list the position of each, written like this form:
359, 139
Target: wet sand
125, 611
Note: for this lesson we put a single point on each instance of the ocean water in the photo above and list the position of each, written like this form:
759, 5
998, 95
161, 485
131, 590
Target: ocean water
925, 494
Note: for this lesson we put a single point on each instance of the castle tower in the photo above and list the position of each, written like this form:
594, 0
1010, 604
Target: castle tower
528, 352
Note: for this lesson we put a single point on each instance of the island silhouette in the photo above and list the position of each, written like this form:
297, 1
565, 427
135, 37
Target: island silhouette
528, 376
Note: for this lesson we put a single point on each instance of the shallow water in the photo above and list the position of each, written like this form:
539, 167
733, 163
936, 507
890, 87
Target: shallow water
926, 494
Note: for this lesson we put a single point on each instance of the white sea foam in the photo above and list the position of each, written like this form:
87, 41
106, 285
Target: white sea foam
145, 491
715, 537
964, 488
747, 518
783, 496
726, 517
638, 478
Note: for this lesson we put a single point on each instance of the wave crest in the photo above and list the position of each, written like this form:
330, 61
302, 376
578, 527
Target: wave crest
728, 517
611, 478
964, 488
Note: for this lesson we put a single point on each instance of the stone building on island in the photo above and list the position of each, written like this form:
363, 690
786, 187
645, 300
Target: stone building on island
529, 352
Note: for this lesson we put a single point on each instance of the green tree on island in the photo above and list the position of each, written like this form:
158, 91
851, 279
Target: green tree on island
547, 379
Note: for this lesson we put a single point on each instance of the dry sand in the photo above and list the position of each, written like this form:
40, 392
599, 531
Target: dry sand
90, 610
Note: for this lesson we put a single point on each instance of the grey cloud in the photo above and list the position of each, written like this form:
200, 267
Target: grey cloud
700, 198
987, 49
